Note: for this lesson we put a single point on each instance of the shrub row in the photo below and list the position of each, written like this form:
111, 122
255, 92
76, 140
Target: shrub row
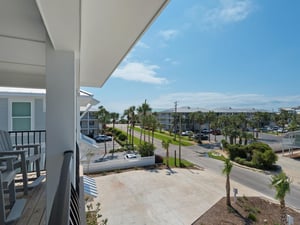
256, 154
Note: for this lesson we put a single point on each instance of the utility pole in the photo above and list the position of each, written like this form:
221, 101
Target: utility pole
175, 120
180, 130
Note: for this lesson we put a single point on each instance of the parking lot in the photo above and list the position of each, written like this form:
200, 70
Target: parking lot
160, 196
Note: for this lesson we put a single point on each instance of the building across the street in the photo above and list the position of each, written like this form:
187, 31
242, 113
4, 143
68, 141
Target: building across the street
166, 117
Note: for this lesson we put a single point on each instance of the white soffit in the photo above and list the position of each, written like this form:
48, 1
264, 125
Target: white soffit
62, 21
109, 29
22, 49
21, 19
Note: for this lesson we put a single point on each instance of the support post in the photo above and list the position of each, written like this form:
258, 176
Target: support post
61, 116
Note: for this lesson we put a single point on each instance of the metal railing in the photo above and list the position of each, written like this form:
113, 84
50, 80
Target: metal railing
65, 208
29, 138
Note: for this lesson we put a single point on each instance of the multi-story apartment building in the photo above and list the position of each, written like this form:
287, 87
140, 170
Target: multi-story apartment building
166, 117
89, 123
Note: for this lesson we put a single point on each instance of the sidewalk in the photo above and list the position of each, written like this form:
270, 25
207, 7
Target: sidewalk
291, 167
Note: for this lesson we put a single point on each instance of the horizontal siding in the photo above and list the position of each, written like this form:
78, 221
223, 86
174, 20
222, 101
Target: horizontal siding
40, 115
3, 113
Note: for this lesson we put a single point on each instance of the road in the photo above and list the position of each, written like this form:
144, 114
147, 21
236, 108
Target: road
257, 180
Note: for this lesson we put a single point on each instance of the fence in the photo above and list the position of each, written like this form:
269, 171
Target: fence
291, 141
118, 164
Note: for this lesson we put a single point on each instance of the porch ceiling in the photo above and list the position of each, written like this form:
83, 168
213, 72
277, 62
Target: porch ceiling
101, 32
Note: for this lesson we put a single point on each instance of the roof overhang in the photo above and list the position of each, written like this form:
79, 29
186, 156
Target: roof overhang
100, 32
109, 29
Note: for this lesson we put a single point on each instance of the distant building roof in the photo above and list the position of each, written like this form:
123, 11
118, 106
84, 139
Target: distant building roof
184, 109
187, 109
238, 110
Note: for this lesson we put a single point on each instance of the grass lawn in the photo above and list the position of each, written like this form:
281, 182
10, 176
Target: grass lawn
184, 163
216, 156
166, 136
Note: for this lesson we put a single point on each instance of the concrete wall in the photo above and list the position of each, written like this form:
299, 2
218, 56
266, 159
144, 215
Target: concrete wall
118, 164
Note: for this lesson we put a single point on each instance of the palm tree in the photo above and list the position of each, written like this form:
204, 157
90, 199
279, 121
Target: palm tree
142, 111
126, 114
226, 170
103, 116
224, 124
192, 117
153, 125
210, 117
114, 116
281, 183
165, 144
199, 117
131, 120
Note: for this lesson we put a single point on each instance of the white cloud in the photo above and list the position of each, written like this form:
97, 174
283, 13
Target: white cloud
171, 61
168, 34
142, 45
211, 100
136, 71
219, 13
229, 11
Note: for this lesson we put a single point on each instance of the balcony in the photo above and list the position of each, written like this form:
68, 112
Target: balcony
68, 199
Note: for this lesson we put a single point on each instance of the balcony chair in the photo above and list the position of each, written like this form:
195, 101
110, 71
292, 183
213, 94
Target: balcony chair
12, 211
24, 158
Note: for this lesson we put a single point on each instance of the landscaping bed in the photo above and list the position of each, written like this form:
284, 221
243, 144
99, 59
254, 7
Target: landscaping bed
247, 210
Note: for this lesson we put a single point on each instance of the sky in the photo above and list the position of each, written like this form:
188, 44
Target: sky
212, 54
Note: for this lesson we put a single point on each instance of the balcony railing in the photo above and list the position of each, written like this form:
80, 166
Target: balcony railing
65, 208
28, 138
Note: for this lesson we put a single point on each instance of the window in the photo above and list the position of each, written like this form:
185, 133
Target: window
21, 116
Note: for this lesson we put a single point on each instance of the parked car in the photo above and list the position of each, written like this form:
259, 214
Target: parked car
102, 138
205, 131
282, 130
186, 133
216, 132
201, 137
130, 156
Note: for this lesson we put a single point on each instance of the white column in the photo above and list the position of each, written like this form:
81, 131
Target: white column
61, 113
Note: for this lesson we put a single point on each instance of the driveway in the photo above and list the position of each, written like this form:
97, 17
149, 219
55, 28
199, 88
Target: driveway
146, 197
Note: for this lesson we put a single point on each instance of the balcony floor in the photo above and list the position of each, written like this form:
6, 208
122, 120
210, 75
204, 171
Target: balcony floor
35, 209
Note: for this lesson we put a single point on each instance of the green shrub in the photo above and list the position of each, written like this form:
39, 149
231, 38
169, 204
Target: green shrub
237, 151
92, 215
122, 137
248, 163
262, 155
239, 160
257, 154
146, 149
224, 143
118, 132
252, 217
159, 159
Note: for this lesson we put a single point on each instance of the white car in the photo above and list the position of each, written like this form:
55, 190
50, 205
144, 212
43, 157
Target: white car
130, 156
